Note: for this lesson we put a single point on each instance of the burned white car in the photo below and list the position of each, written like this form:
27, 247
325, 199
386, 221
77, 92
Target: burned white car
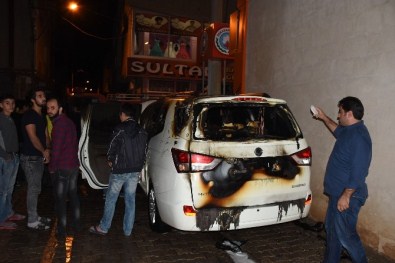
214, 163
221, 163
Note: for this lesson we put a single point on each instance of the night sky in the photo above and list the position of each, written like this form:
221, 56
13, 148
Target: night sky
83, 43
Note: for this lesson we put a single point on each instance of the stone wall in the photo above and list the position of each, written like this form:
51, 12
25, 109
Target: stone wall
317, 52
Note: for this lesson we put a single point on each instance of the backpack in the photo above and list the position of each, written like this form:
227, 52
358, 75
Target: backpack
136, 148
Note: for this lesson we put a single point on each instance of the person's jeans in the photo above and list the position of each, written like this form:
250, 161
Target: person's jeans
65, 184
33, 166
129, 182
8, 171
341, 231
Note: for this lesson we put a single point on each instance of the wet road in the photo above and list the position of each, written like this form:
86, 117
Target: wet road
278, 243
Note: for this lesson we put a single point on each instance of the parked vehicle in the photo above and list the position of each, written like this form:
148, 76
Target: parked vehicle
219, 163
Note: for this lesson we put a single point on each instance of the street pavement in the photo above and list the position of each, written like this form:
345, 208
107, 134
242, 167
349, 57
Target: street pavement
287, 242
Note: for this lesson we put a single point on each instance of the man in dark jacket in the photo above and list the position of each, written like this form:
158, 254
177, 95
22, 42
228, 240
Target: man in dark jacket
126, 160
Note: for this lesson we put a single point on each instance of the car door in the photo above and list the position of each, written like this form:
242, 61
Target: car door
97, 124
152, 120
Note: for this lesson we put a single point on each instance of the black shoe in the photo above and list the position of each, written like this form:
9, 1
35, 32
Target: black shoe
74, 231
60, 236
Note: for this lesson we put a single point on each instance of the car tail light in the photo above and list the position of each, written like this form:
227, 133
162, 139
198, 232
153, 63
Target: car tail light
189, 210
303, 157
308, 200
193, 162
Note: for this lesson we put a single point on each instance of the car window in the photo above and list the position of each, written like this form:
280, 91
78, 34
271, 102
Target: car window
181, 115
234, 122
153, 117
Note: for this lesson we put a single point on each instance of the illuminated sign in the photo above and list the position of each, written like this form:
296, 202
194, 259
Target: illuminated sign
165, 69
222, 40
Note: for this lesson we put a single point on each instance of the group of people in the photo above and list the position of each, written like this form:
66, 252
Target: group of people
344, 181
54, 144
39, 148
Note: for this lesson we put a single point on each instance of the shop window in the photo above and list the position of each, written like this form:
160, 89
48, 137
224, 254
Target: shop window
168, 37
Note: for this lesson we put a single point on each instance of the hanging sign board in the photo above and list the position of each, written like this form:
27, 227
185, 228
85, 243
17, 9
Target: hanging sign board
161, 68
215, 41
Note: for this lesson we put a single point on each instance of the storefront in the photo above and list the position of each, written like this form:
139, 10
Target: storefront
166, 55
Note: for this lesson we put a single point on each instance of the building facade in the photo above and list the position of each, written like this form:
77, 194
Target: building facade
317, 52
25, 45
164, 48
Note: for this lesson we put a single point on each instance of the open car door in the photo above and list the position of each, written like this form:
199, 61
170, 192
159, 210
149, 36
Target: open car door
97, 123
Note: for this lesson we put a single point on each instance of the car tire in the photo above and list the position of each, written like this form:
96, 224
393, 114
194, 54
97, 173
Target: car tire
155, 222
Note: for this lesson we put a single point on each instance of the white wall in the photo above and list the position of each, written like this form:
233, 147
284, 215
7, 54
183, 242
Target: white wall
317, 52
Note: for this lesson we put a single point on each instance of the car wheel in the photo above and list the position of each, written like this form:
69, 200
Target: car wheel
155, 222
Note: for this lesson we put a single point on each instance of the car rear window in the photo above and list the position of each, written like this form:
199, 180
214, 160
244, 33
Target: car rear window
236, 122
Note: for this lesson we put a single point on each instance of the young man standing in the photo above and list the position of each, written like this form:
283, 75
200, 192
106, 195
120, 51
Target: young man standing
64, 166
34, 154
344, 181
9, 162
126, 161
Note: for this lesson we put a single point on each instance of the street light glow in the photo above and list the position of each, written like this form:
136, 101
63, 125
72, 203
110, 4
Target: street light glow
73, 6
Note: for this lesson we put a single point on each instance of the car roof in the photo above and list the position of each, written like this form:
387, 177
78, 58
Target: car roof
231, 98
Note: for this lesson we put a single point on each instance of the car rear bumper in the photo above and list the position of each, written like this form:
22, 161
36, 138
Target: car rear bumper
220, 219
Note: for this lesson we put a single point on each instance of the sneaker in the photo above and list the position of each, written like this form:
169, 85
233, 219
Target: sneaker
8, 226
44, 220
16, 217
37, 226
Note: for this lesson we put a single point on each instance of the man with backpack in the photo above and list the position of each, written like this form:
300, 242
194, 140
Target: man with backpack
125, 156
